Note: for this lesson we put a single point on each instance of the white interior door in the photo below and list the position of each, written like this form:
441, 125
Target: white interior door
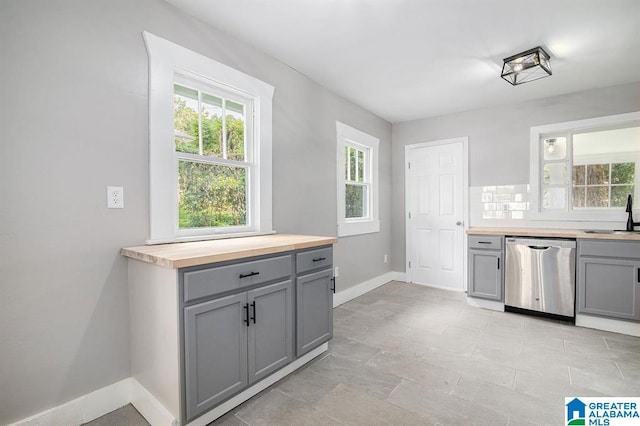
435, 194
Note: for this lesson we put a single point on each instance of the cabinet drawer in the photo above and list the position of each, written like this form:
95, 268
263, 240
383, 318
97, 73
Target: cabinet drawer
314, 259
210, 281
609, 248
491, 242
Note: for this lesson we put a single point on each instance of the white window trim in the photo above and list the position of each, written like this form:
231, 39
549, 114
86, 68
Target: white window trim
536, 212
349, 136
165, 60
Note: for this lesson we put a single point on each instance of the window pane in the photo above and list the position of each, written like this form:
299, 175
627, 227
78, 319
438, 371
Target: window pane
352, 164
346, 163
185, 113
554, 148
211, 195
619, 195
554, 198
360, 166
579, 196
597, 174
579, 175
555, 174
235, 137
622, 173
597, 196
355, 201
211, 125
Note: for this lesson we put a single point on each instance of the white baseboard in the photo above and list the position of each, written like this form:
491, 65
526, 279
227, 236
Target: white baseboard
85, 408
606, 324
151, 409
364, 287
399, 276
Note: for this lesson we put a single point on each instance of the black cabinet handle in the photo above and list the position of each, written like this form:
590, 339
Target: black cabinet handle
484, 242
498, 263
246, 311
250, 274
319, 259
639, 275
253, 305
333, 285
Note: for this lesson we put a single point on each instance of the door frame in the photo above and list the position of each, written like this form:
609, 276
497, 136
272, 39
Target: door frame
465, 199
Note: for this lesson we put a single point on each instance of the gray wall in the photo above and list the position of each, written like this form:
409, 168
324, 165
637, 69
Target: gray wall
498, 140
73, 111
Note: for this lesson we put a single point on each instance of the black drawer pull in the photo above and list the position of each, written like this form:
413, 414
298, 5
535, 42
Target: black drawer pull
253, 305
484, 242
246, 311
250, 274
333, 285
319, 259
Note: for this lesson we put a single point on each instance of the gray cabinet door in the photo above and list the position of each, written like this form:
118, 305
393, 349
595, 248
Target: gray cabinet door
271, 329
485, 274
609, 287
314, 310
215, 352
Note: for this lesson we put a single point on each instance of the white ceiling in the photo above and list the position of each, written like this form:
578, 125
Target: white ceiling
409, 59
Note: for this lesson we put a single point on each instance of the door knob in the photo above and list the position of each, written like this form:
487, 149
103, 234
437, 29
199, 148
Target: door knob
458, 223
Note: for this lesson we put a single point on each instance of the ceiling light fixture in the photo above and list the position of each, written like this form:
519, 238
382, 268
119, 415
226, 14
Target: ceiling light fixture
526, 66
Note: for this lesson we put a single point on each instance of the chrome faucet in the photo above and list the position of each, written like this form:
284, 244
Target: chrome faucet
630, 222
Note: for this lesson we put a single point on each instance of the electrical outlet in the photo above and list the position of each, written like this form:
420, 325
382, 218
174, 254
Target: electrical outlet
336, 272
386, 258
115, 197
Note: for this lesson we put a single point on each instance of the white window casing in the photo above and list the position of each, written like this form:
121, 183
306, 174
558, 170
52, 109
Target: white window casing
349, 136
166, 61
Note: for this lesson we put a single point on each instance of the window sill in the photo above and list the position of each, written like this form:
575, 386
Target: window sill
207, 237
346, 229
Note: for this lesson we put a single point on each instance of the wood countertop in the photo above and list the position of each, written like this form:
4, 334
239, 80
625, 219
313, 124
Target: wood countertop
180, 255
554, 233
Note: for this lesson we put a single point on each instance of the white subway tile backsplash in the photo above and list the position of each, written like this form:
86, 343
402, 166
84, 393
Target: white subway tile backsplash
487, 197
505, 189
498, 205
489, 206
503, 197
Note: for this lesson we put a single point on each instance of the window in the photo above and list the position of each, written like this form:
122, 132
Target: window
357, 181
210, 128
584, 170
210, 147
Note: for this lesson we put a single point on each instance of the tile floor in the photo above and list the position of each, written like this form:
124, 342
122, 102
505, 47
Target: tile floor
405, 354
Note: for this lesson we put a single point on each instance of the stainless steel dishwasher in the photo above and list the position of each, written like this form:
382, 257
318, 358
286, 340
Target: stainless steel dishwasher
540, 275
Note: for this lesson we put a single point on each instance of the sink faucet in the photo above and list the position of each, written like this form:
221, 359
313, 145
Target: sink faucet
630, 222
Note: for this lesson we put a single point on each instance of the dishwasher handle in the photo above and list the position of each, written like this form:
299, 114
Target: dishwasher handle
539, 247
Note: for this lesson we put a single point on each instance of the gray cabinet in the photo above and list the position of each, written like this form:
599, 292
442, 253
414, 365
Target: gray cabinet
486, 260
314, 299
608, 279
215, 352
234, 341
270, 329
245, 320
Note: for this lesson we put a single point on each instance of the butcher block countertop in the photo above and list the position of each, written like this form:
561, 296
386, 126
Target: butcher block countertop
556, 233
180, 255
